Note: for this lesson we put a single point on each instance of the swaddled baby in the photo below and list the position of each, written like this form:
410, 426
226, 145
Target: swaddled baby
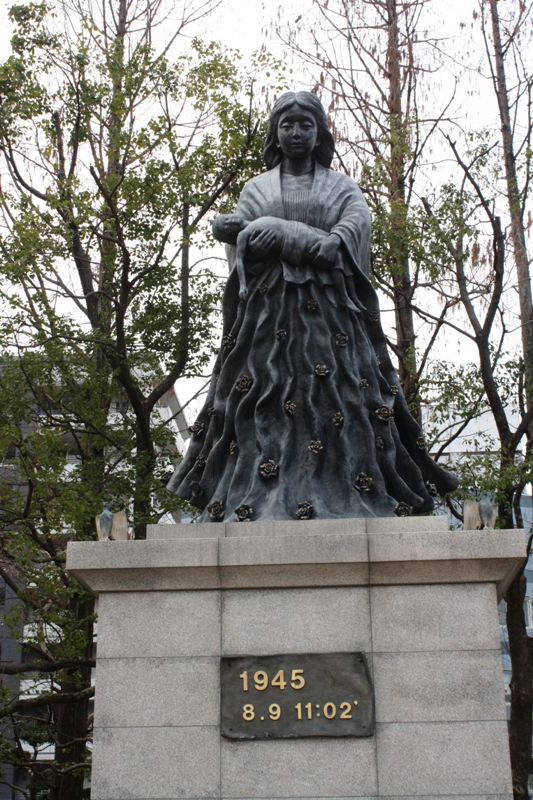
234, 229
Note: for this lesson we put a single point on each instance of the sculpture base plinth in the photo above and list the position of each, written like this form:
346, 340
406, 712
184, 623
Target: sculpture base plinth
416, 599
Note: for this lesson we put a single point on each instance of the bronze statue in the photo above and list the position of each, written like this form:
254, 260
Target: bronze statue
305, 417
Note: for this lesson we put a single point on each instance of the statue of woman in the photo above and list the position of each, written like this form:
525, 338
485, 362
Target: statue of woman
305, 417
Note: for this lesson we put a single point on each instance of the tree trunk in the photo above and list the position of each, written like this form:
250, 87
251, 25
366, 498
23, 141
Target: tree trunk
521, 688
145, 460
515, 206
401, 277
72, 718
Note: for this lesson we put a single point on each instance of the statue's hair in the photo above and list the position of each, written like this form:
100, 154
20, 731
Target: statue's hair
323, 152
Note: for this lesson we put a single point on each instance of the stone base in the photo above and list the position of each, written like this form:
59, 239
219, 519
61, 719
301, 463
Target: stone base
418, 600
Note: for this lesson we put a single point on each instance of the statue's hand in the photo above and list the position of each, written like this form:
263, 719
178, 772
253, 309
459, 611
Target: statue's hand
325, 251
262, 243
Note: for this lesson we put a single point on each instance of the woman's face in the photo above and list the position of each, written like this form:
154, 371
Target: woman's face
297, 133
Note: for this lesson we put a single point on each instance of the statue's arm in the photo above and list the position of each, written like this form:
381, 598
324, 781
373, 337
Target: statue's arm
353, 227
291, 241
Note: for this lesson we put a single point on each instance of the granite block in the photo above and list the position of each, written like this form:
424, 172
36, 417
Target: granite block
158, 554
299, 768
276, 576
443, 758
406, 524
443, 556
136, 692
149, 579
499, 571
396, 797
193, 530
323, 552
438, 617
445, 686
293, 527
443, 545
147, 763
346, 548
271, 621
145, 566
159, 624
338, 559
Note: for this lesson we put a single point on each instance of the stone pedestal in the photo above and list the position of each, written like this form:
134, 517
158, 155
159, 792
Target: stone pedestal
419, 600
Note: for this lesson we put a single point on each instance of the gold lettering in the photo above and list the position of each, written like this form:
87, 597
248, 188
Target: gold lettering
347, 708
279, 679
261, 680
297, 679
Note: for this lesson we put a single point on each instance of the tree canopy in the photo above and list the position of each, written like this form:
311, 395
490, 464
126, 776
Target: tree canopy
121, 133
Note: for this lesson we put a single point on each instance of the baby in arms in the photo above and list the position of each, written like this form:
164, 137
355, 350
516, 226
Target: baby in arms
280, 235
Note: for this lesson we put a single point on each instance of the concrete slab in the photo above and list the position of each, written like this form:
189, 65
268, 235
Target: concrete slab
442, 758
325, 553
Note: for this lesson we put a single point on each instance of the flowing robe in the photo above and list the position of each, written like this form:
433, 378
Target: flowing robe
305, 417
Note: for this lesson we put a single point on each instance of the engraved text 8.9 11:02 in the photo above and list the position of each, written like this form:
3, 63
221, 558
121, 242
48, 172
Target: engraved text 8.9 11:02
290, 696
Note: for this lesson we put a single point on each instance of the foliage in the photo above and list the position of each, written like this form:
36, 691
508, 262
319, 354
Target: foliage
116, 153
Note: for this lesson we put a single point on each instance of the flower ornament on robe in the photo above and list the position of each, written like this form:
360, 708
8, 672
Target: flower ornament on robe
315, 446
363, 482
341, 339
403, 510
385, 414
305, 510
216, 510
243, 384
321, 371
337, 419
269, 469
244, 513
196, 429
228, 341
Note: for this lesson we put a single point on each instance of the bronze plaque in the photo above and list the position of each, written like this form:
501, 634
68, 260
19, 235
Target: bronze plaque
290, 696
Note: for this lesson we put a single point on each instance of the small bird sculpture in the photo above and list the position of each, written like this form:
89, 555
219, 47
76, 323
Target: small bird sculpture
485, 511
106, 522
